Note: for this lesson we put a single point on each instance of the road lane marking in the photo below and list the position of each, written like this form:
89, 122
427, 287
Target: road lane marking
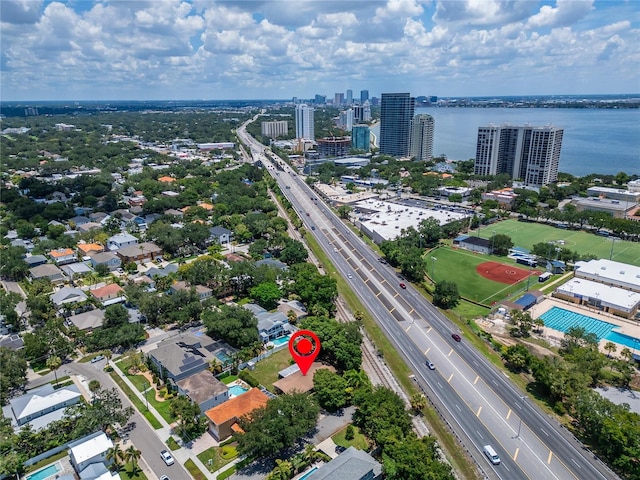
515, 455
378, 294
392, 310
508, 414
408, 328
427, 350
429, 329
449, 380
550, 456
544, 431
450, 352
476, 380
479, 410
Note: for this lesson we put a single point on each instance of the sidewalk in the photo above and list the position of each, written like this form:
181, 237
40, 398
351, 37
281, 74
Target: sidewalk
182, 454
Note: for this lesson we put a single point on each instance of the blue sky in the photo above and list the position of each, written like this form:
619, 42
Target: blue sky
246, 49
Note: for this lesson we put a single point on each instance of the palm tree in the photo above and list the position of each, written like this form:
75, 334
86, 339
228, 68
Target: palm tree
626, 353
115, 453
610, 347
53, 363
132, 454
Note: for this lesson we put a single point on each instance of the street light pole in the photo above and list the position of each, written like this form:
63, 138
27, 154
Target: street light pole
523, 398
145, 394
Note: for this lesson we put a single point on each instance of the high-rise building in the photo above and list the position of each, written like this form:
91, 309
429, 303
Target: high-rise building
338, 98
361, 137
345, 120
320, 99
349, 97
396, 112
364, 96
421, 140
275, 129
304, 122
527, 153
333, 146
362, 113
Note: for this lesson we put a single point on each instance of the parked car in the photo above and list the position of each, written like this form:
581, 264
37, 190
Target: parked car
166, 456
97, 359
456, 337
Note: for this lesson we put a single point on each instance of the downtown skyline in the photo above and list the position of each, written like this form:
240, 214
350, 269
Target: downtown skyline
164, 50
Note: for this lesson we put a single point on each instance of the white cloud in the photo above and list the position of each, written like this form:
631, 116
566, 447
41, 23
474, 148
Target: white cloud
230, 49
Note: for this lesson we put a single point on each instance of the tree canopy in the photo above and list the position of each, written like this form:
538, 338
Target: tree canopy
232, 324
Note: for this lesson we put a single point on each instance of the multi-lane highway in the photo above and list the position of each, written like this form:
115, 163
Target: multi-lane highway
477, 400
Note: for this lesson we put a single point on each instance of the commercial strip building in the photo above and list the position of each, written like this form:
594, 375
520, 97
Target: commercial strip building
528, 153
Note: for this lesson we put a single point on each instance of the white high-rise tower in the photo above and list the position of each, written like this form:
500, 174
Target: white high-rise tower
421, 140
304, 122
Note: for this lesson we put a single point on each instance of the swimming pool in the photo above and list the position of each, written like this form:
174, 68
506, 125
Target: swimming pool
236, 390
281, 341
47, 472
562, 320
223, 357
308, 474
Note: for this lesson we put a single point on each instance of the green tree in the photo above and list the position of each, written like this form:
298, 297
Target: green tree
517, 358
54, 363
381, 416
235, 325
266, 295
115, 316
132, 454
104, 410
278, 425
12, 265
446, 294
13, 373
501, 244
340, 341
331, 390
522, 323
293, 252
115, 454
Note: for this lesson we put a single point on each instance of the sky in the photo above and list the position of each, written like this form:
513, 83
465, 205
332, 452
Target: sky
255, 49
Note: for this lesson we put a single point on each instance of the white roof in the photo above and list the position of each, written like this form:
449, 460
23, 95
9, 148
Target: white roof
609, 270
42, 398
616, 297
398, 217
91, 448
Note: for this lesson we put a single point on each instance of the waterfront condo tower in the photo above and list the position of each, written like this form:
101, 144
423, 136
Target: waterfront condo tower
421, 140
527, 153
360, 137
304, 122
396, 112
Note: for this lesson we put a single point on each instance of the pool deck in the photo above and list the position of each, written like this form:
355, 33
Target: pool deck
628, 327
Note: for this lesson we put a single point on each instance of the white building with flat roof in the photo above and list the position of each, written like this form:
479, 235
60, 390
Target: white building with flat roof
610, 299
612, 273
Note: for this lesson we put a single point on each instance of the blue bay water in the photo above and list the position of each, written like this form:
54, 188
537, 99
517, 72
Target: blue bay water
595, 140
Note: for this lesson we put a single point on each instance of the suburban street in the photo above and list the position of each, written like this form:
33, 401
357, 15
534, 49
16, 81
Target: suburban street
477, 400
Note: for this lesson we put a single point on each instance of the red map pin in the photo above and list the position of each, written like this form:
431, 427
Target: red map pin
303, 350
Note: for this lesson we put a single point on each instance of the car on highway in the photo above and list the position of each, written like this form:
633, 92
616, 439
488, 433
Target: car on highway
403, 286
456, 337
164, 477
166, 456
349, 275
430, 365
313, 227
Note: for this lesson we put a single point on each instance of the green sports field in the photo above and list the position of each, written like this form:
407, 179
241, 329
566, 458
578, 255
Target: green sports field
524, 234
459, 266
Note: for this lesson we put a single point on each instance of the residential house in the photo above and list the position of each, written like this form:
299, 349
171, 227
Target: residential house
79, 220
202, 291
88, 452
75, 270
109, 294
219, 235
12, 341
223, 419
67, 295
121, 240
26, 244
35, 260
273, 263
172, 212
87, 227
270, 325
183, 355
98, 217
161, 271
85, 249
204, 389
87, 321
47, 271
110, 259
62, 256
41, 406
294, 381
142, 253
352, 464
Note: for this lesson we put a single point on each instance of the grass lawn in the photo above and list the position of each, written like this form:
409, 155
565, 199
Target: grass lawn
266, 371
46, 461
193, 469
136, 401
219, 456
359, 440
525, 234
229, 379
141, 383
172, 444
459, 266
125, 473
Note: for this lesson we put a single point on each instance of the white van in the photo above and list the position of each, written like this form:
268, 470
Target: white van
491, 454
